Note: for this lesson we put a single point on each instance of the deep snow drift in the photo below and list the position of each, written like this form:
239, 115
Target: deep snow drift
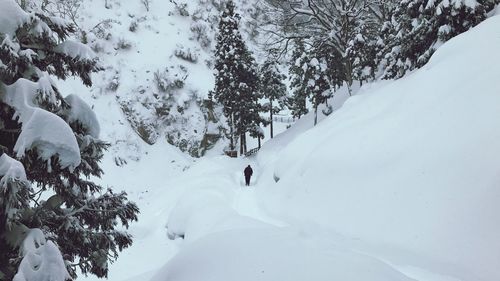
401, 183
411, 167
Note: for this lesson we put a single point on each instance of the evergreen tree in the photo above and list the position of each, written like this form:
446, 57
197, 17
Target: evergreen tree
226, 65
298, 76
315, 74
362, 50
254, 129
319, 83
418, 27
55, 141
248, 108
273, 89
236, 79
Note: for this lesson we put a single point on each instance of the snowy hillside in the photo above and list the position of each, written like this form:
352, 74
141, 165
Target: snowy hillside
157, 66
408, 169
401, 183
398, 182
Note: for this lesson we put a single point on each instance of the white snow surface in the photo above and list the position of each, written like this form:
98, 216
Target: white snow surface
11, 170
400, 183
80, 111
270, 254
11, 17
40, 129
75, 50
42, 260
410, 166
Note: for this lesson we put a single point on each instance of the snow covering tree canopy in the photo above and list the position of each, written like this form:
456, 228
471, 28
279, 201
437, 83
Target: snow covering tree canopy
236, 79
52, 142
273, 88
418, 27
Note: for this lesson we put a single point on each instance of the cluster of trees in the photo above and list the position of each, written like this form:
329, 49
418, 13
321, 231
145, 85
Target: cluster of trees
240, 83
336, 43
330, 44
54, 220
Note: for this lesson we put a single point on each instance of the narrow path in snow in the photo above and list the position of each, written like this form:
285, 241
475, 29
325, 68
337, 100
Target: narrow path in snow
246, 203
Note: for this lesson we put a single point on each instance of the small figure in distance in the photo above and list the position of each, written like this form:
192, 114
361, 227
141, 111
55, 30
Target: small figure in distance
248, 174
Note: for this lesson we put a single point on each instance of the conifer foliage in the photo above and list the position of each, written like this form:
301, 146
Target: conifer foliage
236, 79
418, 27
49, 150
298, 75
273, 89
316, 72
320, 84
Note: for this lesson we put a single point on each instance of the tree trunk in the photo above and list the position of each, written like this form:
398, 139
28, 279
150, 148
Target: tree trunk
244, 143
348, 70
259, 141
315, 114
241, 144
231, 132
271, 120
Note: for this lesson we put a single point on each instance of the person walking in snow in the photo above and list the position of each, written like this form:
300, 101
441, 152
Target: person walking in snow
248, 174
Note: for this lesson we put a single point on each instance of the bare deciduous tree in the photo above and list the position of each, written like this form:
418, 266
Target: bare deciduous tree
335, 23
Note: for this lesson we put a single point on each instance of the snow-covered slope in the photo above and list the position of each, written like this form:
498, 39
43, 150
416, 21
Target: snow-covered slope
158, 65
411, 167
401, 183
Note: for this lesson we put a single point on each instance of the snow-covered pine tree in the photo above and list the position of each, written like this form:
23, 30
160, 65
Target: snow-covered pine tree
319, 83
236, 79
254, 128
272, 88
298, 75
418, 27
248, 111
333, 71
55, 141
226, 65
362, 51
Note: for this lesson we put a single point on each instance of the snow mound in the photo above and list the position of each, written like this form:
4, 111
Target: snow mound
11, 17
10, 170
412, 167
42, 260
75, 50
201, 212
270, 255
222, 243
81, 112
41, 129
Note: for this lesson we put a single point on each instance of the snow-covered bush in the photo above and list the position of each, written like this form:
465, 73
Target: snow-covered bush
52, 142
102, 29
217, 4
133, 26
123, 44
181, 8
201, 33
186, 54
170, 79
114, 81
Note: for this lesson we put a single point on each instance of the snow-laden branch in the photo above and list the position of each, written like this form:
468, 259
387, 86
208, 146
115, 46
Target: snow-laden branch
42, 260
43, 130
